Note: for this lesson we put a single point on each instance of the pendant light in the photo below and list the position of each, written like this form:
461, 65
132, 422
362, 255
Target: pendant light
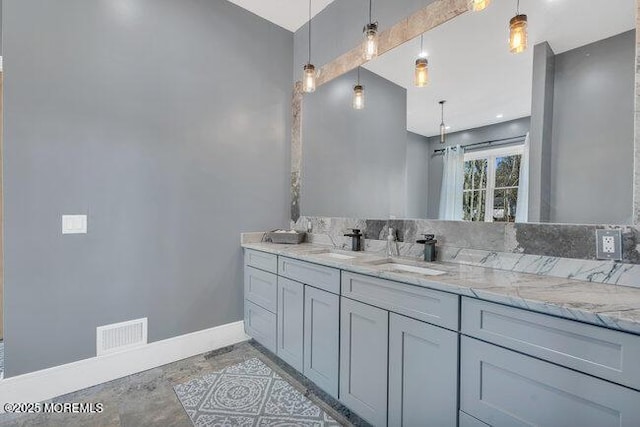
478, 5
443, 128
358, 94
370, 46
422, 67
518, 32
309, 71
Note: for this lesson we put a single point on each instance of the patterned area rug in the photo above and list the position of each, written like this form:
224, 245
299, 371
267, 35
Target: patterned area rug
248, 394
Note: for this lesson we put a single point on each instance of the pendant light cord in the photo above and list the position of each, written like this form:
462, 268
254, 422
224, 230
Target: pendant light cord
421, 44
309, 31
518, 7
370, 14
358, 76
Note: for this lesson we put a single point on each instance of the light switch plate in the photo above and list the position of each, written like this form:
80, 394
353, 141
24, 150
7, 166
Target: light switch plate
609, 244
74, 224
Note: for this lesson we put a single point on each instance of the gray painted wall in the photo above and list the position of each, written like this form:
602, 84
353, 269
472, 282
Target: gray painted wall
417, 166
338, 28
593, 130
147, 116
541, 133
354, 161
502, 130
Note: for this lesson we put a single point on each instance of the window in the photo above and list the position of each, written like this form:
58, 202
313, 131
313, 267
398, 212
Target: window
491, 181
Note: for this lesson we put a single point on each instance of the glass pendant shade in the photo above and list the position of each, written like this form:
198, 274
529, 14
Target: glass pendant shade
370, 41
518, 34
478, 5
358, 97
309, 78
422, 72
443, 128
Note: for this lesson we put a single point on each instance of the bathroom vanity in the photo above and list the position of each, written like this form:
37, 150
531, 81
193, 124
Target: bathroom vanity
453, 344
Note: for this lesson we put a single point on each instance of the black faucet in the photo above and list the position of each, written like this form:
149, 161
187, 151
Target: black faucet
429, 242
356, 239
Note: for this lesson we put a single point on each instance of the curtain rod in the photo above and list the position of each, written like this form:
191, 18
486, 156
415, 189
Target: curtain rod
503, 141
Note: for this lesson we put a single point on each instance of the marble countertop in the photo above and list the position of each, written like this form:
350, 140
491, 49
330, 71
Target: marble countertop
611, 306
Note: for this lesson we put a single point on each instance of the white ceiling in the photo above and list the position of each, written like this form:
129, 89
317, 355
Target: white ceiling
471, 66
289, 14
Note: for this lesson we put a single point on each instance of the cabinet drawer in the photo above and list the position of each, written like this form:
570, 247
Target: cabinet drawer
438, 308
601, 352
503, 388
262, 260
260, 324
261, 288
318, 276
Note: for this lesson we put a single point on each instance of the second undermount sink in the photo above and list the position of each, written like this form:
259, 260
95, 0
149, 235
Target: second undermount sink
401, 267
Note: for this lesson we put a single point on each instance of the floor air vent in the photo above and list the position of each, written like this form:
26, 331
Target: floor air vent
121, 336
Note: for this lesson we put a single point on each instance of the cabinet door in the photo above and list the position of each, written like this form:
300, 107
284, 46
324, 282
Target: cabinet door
503, 388
290, 321
364, 338
321, 338
423, 373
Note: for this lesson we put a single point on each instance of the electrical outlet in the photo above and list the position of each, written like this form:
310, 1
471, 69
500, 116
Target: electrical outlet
609, 244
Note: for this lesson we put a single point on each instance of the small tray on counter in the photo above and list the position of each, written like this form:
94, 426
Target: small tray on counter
289, 237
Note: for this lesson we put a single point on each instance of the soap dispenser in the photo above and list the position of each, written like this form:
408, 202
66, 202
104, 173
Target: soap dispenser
429, 242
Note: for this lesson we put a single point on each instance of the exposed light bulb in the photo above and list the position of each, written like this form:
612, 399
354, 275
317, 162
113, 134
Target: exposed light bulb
478, 5
358, 97
309, 78
370, 41
518, 34
422, 72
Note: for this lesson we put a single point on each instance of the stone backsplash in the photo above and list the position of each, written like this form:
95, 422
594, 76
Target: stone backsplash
557, 250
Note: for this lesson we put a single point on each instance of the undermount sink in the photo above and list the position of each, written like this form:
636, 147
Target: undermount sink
329, 253
408, 268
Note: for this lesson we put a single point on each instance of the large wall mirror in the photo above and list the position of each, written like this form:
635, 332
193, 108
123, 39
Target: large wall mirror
546, 135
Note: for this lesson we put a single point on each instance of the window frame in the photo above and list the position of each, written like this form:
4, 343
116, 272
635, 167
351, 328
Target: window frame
490, 154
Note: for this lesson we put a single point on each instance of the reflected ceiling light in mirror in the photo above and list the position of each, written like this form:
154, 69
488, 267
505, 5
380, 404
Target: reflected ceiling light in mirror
309, 71
370, 49
499, 116
358, 94
518, 31
422, 67
443, 128
478, 5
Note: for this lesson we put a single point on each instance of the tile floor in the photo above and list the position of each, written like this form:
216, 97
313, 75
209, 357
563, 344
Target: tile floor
148, 399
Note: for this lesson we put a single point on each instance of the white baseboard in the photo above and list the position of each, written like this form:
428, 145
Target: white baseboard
52, 382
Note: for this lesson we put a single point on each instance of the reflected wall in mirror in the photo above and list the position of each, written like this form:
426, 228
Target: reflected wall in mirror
546, 135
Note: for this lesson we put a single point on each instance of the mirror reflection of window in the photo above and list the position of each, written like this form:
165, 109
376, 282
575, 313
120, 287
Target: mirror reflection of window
491, 184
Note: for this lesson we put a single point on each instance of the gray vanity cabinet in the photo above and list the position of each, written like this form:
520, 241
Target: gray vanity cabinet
321, 338
290, 318
423, 374
503, 388
364, 333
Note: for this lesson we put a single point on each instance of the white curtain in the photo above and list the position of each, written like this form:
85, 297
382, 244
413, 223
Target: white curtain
452, 184
522, 204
